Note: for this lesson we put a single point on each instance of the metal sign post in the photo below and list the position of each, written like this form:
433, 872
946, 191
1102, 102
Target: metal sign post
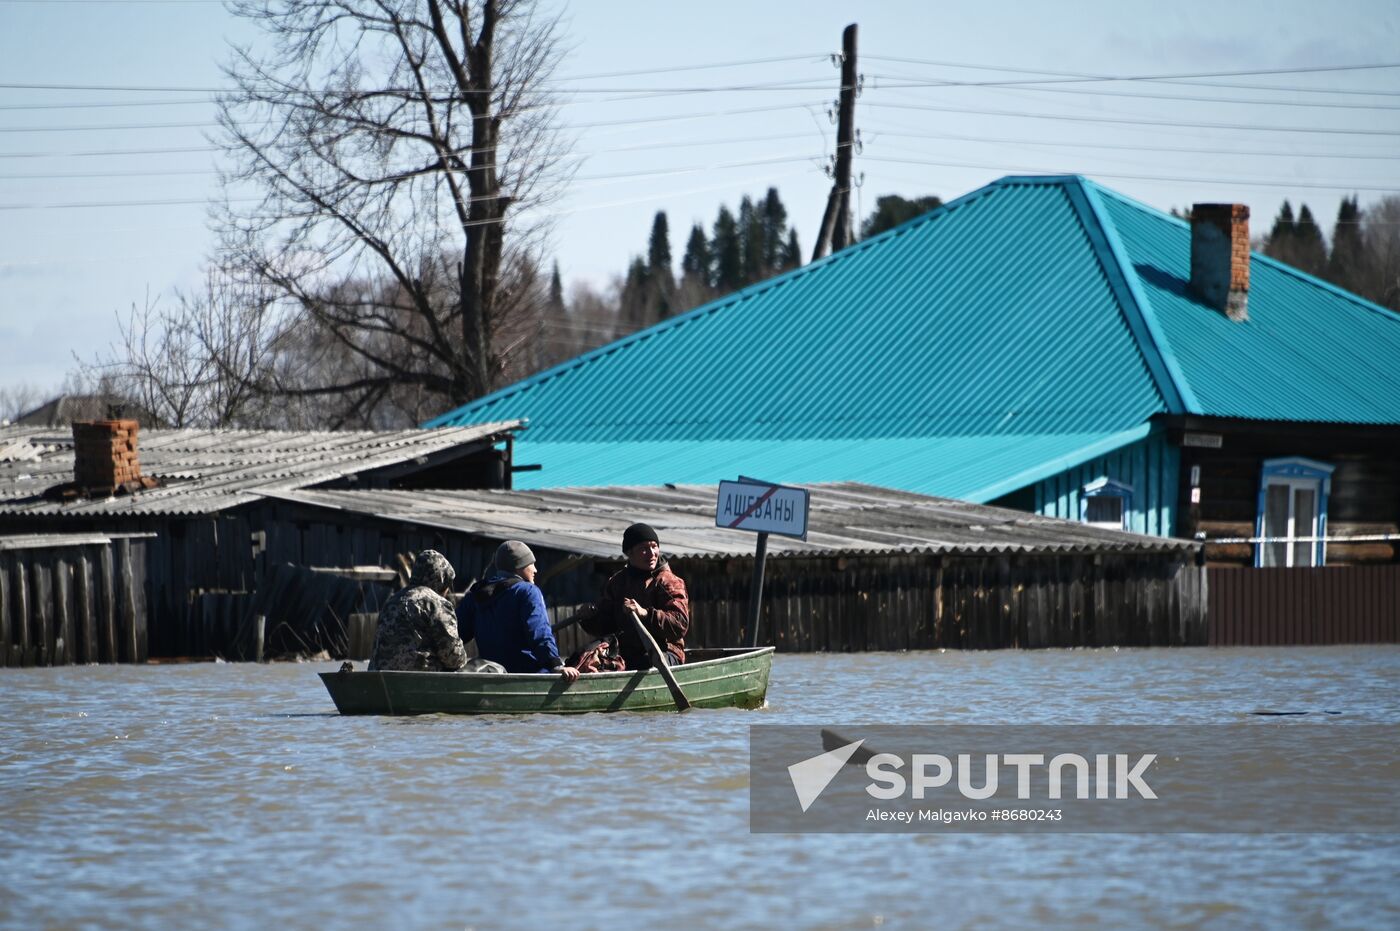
762, 507
760, 560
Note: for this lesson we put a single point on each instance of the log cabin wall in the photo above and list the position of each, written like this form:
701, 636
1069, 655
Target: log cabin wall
1365, 486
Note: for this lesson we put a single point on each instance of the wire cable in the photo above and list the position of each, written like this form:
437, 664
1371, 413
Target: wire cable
1248, 182
1119, 120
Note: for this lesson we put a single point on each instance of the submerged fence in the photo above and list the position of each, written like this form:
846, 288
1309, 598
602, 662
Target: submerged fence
72, 598
1323, 605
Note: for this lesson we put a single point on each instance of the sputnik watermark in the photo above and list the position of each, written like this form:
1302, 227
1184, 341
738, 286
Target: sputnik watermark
1137, 779
1114, 775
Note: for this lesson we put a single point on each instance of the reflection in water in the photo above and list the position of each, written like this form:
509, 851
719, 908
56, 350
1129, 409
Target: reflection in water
232, 795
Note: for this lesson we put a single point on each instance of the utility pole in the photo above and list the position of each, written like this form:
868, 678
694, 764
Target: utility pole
835, 232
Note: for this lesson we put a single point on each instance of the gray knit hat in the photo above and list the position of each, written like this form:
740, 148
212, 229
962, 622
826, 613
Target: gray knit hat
513, 555
432, 569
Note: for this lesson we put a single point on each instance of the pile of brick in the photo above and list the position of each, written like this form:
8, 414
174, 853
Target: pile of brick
105, 455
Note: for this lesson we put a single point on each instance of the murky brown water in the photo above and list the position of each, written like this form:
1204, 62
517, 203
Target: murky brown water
234, 796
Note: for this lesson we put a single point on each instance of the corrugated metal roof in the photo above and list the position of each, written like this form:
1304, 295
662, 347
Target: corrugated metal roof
993, 315
40, 541
1309, 351
972, 468
846, 518
209, 470
1002, 328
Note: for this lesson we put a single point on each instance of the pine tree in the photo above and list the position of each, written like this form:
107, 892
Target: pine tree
726, 248
1312, 248
792, 253
659, 249
663, 280
697, 265
892, 210
1281, 243
774, 220
636, 302
556, 293
1283, 224
751, 246
1348, 257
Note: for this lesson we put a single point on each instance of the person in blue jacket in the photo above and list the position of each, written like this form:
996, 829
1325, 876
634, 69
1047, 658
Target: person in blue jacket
505, 613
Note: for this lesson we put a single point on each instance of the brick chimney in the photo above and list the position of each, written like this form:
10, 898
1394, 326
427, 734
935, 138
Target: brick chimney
1220, 257
105, 454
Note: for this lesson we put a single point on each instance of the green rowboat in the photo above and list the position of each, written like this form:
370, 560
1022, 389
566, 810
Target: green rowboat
720, 678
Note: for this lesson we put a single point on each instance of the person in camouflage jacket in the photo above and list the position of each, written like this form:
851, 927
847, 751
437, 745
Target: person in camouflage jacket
417, 625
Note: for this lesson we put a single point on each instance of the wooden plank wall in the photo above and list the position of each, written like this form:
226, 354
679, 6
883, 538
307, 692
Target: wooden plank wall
206, 573
1329, 604
924, 602
74, 604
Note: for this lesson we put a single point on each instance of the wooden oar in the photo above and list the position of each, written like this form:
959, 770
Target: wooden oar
658, 659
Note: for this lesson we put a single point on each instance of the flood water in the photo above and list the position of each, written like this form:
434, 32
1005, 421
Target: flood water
235, 796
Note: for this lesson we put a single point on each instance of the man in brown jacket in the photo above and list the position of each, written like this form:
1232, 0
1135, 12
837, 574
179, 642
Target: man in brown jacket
647, 586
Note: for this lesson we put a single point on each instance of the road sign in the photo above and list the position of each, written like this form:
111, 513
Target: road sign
762, 507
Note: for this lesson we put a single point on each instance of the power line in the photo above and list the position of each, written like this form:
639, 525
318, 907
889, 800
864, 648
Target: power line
875, 133
1048, 77
1349, 186
1186, 82
113, 2
447, 95
106, 128
1075, 76
216, 148
106, 152
1137, 122
1099, 92
773, 160
766, 178
568, 127
106, 106
699, 143
166, 88
813, 57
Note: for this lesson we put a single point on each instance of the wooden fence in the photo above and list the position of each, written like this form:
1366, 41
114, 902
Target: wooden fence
918, 602
1329, 604
63, 601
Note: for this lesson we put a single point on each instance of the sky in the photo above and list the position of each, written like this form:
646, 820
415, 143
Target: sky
106, 113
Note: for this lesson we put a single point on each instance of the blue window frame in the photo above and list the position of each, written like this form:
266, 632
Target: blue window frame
1106, 503
1291, 519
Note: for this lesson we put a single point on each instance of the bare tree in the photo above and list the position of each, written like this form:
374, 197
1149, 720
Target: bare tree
388, 141
1380, 233
197, 361
586, 321
19, 399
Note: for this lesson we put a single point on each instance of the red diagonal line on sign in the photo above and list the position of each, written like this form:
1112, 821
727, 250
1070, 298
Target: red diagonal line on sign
754, 507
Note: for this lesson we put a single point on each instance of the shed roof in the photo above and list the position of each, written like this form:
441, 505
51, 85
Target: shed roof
41, 541
205, 471
1023, 320
846, 518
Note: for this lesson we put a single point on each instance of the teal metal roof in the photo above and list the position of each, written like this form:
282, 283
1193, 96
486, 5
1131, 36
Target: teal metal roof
970, 468
1308, 352
1029, 322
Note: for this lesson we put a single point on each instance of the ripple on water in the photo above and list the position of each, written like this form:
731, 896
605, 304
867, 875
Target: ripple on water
227, 794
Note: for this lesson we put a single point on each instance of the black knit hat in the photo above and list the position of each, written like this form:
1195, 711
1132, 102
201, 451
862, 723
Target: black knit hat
638, 533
